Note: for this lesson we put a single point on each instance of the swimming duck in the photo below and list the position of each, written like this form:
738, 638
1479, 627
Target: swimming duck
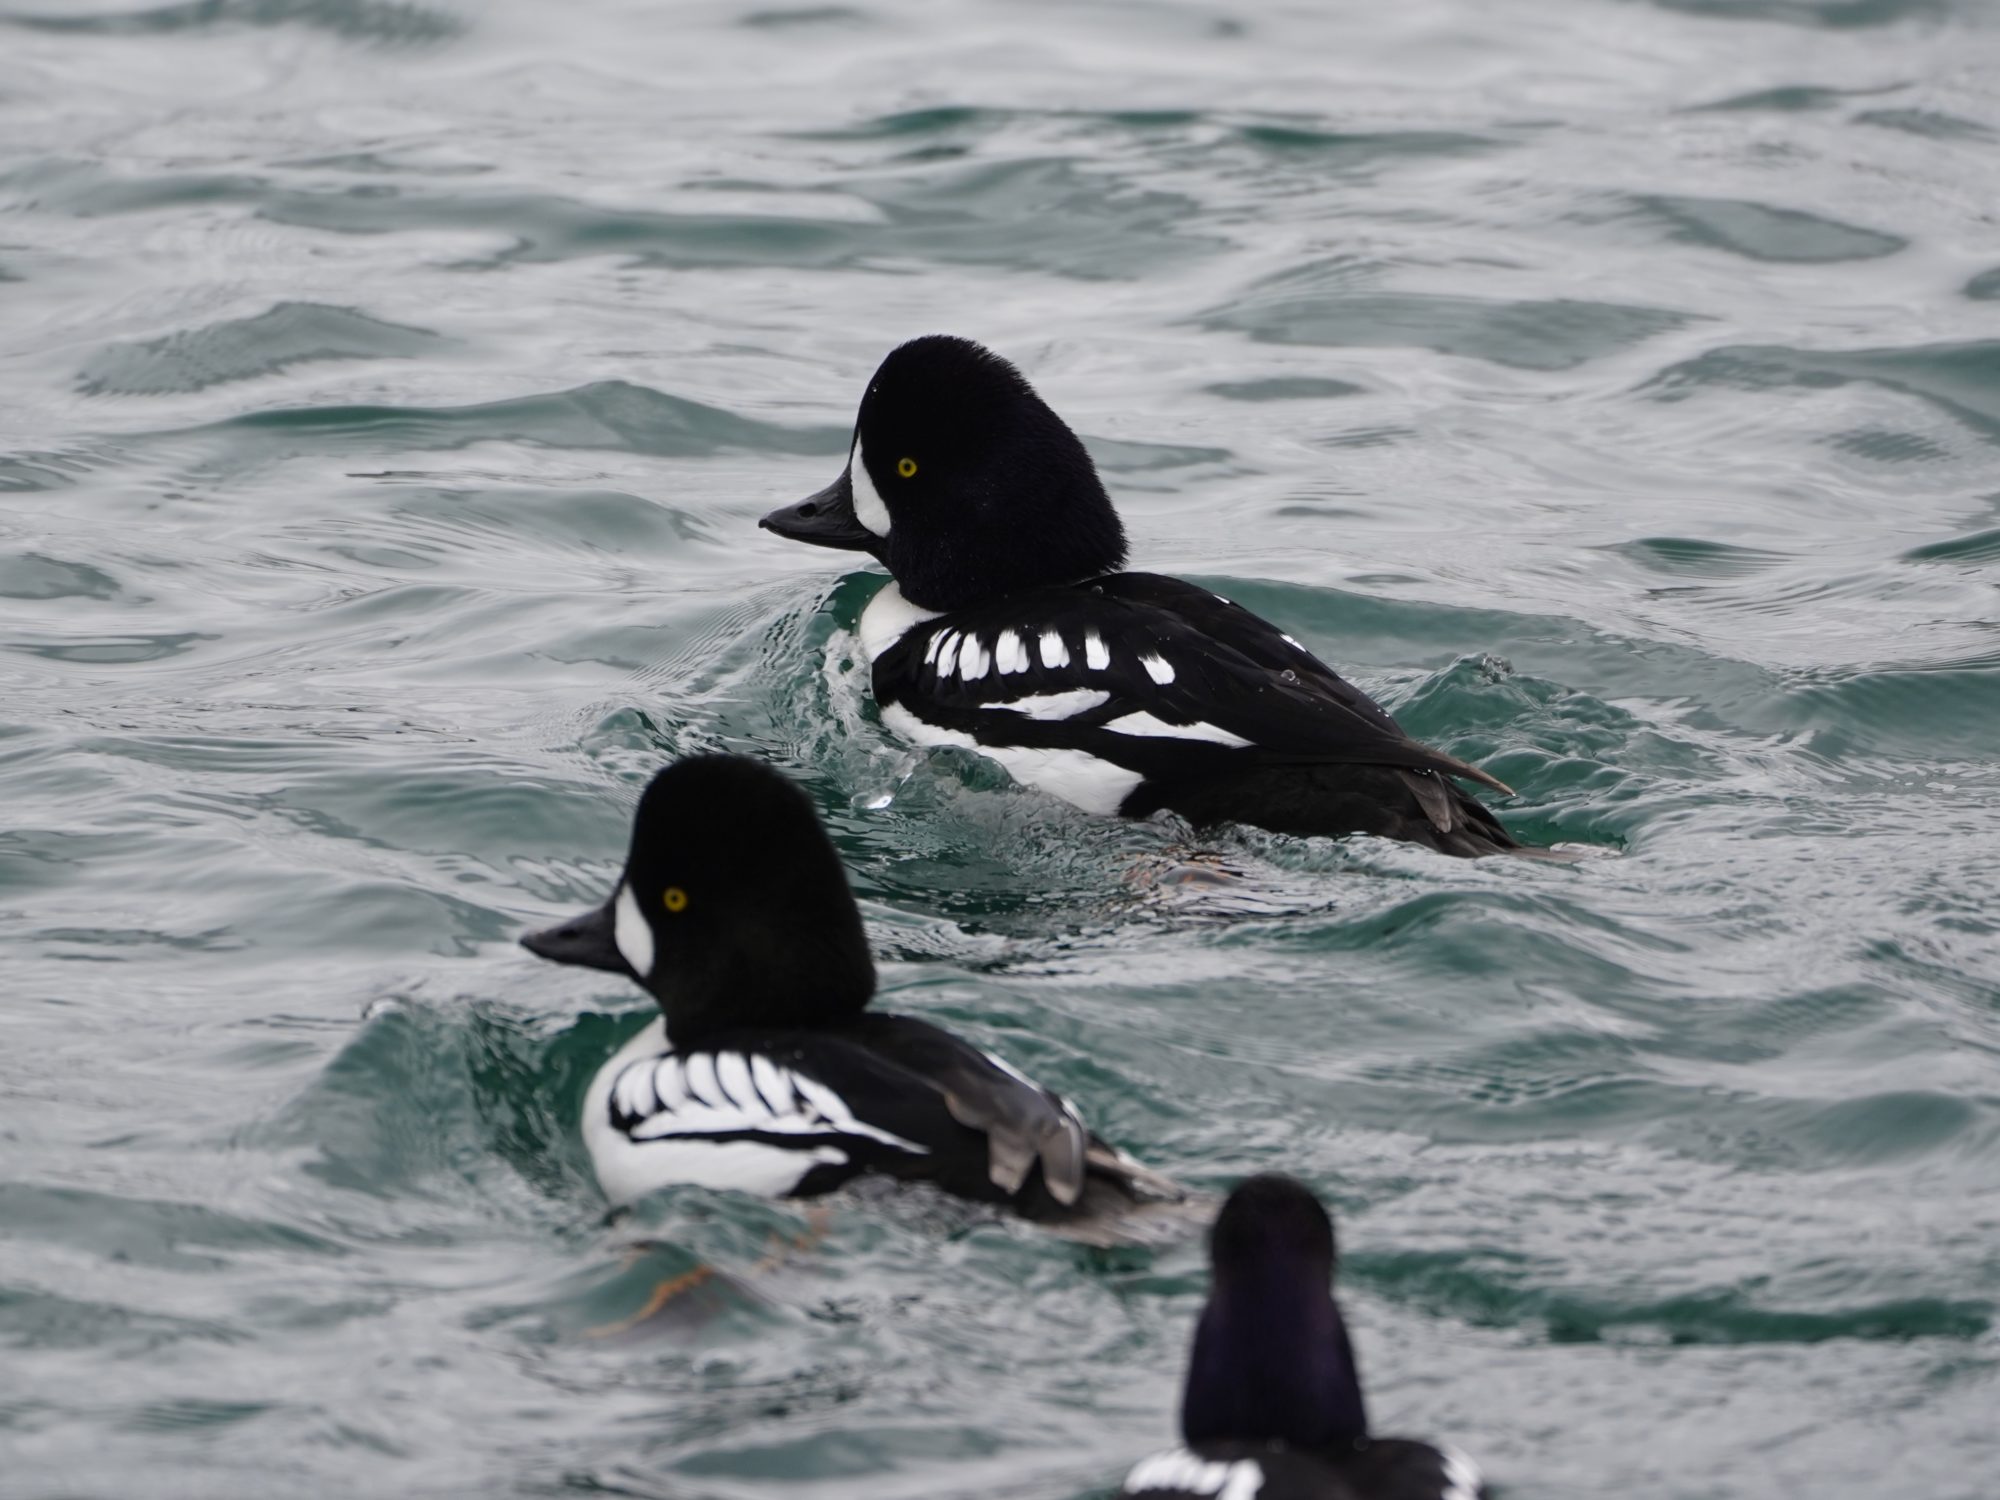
1273, 1409
1009, 628
766, 1071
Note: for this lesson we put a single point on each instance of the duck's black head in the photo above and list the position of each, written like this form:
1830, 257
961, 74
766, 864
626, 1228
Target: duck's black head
1271, 1359
963, 481
733, 909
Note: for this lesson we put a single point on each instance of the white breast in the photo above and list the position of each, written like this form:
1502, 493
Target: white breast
888, 617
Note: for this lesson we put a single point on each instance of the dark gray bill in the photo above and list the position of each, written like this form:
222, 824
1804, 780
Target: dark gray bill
826, 519
587, 940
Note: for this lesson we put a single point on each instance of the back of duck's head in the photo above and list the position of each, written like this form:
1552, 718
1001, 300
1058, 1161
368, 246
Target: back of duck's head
1272, 1221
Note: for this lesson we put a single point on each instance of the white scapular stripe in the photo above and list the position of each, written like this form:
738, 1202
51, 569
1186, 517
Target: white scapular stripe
1055, 652
973, 659
1096, 655
887, 619
629, 930
1009, 655
1158, 668
868, 504
667, 1096
1065, 705
1461, 1475
1291, 641
1178, 1469
1146, 724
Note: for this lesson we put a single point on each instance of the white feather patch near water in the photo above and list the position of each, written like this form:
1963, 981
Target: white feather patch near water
1096, 786
1178, 1469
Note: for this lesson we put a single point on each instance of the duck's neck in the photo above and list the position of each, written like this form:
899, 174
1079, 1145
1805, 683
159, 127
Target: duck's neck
1272, 1365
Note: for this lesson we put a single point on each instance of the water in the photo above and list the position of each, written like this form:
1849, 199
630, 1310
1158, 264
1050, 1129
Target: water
389, 391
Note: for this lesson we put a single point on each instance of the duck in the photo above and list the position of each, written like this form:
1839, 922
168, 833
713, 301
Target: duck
1010, 628
767, 1072
1272, 1408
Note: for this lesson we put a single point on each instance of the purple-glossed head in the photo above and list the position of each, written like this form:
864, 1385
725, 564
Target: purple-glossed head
1271, 1359
963, 482
733, 909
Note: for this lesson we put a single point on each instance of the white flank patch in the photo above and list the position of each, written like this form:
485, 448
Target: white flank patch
634, 937
1178, 1469
1292, 642
1220, 600
1461, 1475
1055, 653
1096, 786
888, 618
869, 508
681, 1100
948, 654
972, 659
1056, 705
1158, 668
1009, 655
1096, 655
1146, 724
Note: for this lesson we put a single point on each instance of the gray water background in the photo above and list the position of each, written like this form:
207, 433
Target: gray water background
387, 394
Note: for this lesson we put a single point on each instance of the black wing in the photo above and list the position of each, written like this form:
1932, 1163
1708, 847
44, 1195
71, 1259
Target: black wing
1149, 672
985, 1131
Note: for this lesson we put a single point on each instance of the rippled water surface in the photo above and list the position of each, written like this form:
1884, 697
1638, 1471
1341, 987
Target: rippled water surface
388, 389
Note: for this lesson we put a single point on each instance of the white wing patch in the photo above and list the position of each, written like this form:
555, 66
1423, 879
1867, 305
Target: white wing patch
947, 662
1066, 705
1055, 653
973, 659
1178, 1469
1096, 655
1146, 724
668, 1097
1158, 668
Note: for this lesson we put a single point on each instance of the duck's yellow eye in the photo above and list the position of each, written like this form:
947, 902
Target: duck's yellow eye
676, 898
907, 467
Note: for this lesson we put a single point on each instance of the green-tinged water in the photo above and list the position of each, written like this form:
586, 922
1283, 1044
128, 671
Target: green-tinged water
388, 391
